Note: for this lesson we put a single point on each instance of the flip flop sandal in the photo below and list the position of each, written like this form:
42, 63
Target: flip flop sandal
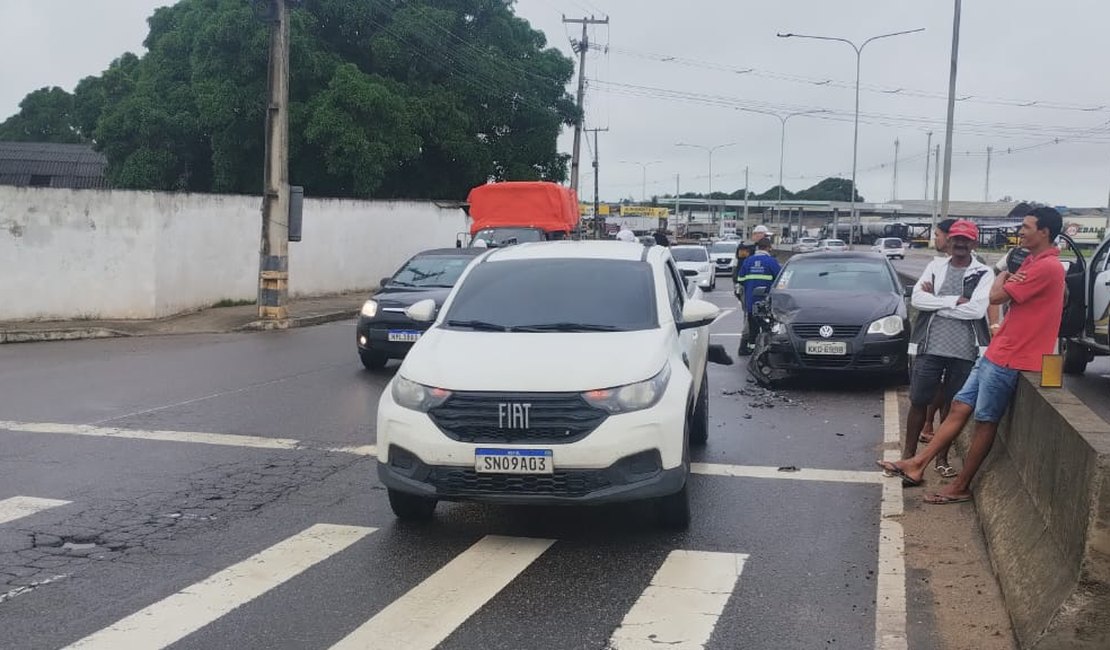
947, 471
944, 500
892, 470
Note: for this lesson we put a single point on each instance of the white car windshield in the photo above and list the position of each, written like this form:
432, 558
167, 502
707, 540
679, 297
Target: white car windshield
556, 295
724, 247
690, 254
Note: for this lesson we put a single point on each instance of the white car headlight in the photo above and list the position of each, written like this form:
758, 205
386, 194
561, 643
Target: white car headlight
417, 397
631, 397
778, 328
891, 326
369, 308
705, 269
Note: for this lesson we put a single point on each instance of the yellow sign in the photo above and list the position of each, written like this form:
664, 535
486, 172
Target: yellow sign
644, 211
588, 208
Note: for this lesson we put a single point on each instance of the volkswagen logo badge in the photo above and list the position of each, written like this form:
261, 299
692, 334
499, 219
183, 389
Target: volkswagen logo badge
826, 331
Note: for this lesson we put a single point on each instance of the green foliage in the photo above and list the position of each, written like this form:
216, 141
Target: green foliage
830, 189
419, 99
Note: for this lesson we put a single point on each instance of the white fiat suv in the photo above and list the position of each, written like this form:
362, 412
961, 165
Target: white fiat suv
555, 373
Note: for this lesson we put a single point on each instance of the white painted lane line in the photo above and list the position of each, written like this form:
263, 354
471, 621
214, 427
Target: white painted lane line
432, 610
190, 609
680, 607
197, 437
725, 334
802, 474
890, 585
20, 507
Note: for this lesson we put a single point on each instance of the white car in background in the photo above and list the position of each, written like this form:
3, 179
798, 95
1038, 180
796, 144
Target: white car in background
805, 245
892, 247
831, 245
695, 265
723, 254
539, 384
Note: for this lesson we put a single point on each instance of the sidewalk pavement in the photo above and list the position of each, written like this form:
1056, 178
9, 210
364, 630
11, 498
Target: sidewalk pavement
303, 312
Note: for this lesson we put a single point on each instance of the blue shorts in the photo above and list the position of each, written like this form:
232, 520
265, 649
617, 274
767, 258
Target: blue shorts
988, 389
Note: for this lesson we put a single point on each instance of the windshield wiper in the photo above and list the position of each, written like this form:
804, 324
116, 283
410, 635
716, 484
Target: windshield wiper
399, 283
566, 327
479, 325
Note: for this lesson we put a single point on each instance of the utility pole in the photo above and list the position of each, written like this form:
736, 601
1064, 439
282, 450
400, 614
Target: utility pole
678, 204
581, 47
597, 199
987, 189
951, 112
936, 194
273, 271
928, 157
746, 197
894, 189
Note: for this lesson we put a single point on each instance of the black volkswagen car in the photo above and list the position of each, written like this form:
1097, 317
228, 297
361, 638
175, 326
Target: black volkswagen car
384, 331
841, 312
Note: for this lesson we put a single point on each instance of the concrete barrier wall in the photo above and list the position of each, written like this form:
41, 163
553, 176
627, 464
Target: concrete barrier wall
1043, 499
116, 254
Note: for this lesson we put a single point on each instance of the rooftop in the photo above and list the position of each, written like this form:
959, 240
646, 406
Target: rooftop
45, 164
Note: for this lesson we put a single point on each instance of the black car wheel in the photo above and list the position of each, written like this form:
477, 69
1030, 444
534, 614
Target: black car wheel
1076, 357
699, 418
673, 510
372, 359
409, 507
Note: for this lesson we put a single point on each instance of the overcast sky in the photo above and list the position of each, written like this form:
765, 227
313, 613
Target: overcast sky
1031, 72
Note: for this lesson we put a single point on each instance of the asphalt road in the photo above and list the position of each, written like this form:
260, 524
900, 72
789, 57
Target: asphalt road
217, 491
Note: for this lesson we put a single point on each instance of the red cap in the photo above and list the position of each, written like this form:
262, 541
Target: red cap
964, 228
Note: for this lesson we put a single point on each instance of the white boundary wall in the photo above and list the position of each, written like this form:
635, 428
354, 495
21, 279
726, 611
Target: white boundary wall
122, 254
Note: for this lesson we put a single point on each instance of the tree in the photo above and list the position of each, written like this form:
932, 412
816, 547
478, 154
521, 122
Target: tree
420, 99
830, 189
45, 115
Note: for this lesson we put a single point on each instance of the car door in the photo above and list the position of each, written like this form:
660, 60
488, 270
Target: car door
694, 343
1099, 308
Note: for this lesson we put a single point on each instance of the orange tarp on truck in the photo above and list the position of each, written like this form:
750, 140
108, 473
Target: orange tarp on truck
523, 204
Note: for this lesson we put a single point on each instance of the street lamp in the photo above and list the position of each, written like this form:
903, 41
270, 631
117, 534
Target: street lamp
709, 198
643, 180
855, 137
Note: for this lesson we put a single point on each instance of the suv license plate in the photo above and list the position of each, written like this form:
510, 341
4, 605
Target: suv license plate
828, 348
403, 336
513, 461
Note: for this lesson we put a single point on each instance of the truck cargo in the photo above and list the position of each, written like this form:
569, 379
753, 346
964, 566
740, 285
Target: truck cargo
521, 211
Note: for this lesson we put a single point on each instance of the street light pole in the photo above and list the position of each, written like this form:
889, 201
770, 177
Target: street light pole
643, 177
951, 112
855, 133
709, 198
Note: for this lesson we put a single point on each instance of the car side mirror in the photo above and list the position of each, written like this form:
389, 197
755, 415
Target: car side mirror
423, 311
383, 282
689, 273
698, 313
761, 292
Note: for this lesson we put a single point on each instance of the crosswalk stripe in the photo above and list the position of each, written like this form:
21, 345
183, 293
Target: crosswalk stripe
432, 610
680, 607
19, 507
173, 618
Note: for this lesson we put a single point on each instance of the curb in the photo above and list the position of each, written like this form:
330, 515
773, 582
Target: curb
70, 334
303, 321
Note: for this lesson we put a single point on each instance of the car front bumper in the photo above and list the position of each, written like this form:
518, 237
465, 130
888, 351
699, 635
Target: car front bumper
373, 335
629, 456
867, 354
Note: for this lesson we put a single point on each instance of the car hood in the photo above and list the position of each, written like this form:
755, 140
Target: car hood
534, 362
722, 256
407, 296
834, 307
691, 265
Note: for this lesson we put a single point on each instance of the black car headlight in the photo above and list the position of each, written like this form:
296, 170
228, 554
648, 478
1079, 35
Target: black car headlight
890, 326
369, 308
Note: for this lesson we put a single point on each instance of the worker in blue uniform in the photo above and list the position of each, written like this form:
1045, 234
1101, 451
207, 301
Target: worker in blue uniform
758, 270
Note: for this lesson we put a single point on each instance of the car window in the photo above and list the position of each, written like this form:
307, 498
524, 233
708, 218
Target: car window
892, 243
724, 247
868, 276
503, 236
430, 271
1099, 263
689, 254
675, 293
600, 293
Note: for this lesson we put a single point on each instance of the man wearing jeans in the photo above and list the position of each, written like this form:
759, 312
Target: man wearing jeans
1035, 294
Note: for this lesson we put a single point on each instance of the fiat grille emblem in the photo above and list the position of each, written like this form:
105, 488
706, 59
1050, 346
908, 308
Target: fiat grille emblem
826, 331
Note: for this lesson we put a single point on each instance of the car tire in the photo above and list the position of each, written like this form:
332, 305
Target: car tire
372, 359
1076, 357
673, 510
410, 507
713, 283
699, 417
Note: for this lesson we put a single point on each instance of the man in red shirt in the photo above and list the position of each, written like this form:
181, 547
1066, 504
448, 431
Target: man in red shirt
1036, 297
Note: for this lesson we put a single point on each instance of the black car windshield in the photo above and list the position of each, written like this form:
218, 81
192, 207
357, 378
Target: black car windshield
892, 243
506, 236
690, 254
724, 247
859, 276
557, 295
430, 271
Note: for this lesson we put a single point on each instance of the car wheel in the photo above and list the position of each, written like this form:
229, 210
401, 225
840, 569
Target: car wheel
372, 359
673, 510
409, 507
1076, 357
713, 283
699, 418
